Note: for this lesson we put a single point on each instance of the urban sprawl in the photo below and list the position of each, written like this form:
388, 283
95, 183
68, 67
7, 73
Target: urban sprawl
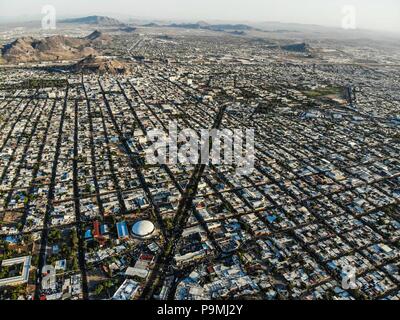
83, 216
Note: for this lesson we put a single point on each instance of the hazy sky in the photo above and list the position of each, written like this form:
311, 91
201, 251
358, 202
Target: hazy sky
371, 14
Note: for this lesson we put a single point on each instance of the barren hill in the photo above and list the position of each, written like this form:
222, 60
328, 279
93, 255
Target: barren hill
297, 47
100, 65
28, 49
98, 37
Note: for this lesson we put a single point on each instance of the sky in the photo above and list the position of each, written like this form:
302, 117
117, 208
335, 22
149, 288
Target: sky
369, 14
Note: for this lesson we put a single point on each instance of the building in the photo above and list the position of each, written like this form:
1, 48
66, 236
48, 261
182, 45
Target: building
122, 230
126, 291
20, 278
143, 229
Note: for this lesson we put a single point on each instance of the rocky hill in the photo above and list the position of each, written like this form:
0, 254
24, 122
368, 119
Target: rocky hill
28, 49
100, 65
98, 37
297, 47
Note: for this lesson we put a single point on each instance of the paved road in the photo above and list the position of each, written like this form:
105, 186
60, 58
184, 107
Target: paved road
182, 215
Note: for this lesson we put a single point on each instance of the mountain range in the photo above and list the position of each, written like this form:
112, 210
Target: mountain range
94, 20
205, 26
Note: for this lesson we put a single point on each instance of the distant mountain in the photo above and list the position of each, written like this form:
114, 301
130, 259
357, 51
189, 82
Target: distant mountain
152, 24
28, 49
185, 25
96, 20
128, 29
206, 26
203, 24
229, 27
237, 33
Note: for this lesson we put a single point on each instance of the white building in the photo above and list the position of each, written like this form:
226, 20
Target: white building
143, 229
22, 277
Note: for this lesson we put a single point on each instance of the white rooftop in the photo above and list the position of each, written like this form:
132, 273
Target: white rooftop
143, 228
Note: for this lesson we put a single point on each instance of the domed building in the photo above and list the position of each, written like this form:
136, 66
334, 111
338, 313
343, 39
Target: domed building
143, 229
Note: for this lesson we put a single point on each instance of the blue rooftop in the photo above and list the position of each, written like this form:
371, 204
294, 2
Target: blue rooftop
122, 230
88, 234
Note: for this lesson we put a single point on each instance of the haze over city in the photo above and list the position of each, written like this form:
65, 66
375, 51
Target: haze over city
371, 14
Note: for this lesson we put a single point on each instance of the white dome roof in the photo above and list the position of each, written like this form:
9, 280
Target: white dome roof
143, 228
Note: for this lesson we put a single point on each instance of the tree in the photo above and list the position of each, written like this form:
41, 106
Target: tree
55, 235
75, 265
99, 289
74, 239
